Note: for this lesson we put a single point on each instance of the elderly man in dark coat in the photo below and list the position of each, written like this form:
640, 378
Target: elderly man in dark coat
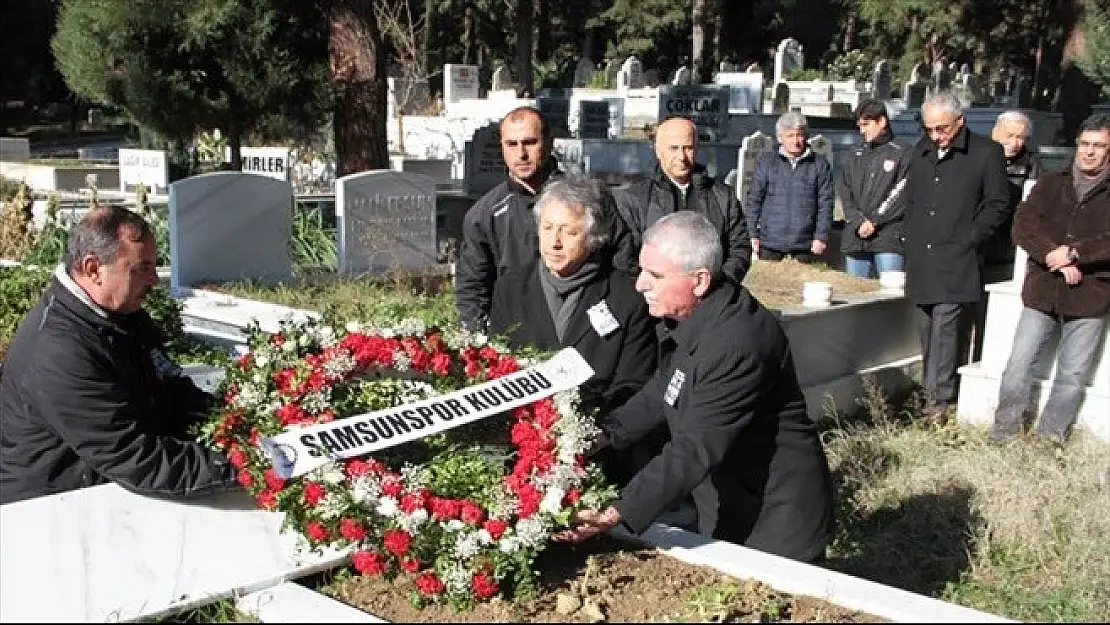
741, 442
956, 197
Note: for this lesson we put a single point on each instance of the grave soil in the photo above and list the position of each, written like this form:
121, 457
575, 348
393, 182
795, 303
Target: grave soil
606, 580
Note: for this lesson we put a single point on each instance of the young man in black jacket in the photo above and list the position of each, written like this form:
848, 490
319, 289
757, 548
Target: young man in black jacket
742, 443
870, 185
88, 394
499, 231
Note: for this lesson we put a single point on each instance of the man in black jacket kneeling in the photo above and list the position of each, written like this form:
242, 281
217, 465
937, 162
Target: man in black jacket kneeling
88, 394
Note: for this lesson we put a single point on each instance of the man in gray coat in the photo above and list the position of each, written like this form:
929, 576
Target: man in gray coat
956, 197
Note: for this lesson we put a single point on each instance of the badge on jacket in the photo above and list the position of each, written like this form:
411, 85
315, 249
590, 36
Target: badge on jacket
889, 165
602, 319
673, 387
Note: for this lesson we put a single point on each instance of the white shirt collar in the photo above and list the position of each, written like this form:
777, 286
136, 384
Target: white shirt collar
63, 277
794, 160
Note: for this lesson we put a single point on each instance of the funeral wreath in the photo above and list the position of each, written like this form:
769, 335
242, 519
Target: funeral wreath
461, 510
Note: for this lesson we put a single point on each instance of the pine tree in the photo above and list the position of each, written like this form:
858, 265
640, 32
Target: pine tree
1095, 58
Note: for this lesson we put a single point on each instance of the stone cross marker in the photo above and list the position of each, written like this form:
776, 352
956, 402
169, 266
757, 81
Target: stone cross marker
386, 221
751, 148
229, 226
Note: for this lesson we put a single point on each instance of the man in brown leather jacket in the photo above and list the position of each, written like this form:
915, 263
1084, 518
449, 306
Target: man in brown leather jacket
1064, 225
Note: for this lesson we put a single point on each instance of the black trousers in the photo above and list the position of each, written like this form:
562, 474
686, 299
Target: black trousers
944, 332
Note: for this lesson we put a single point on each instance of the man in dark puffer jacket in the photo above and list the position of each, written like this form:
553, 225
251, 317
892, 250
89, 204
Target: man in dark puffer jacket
88, 394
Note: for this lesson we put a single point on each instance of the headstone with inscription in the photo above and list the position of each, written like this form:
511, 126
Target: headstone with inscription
583, 72
706, 105
143, 167
484, 166
914, 94
386, 221
682, 76
501, 79
229, 226
593, 119
611, 69
554, 105
460, 82
751, 148
745, 91
781, 102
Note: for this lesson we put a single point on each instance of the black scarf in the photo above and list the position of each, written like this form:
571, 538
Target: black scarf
562, 293
1085, 184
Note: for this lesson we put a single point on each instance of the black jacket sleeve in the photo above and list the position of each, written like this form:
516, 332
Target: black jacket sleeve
637, 359
721, 404
738, 253
896, 209
995, 202
82, 399
475, 270
622, 243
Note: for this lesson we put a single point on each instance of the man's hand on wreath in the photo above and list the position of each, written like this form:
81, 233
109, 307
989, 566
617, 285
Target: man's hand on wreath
589, 523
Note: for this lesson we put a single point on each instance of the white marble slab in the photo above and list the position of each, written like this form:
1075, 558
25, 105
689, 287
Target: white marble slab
230, 315
292, 603
230, 226
804, 579
105, 554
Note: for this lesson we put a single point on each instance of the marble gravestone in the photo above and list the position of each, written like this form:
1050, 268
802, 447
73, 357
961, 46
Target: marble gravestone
459, 82
229, 226
781, 102
386, 220
583, 72
634, 70
593, 119
484, 165
789, 56
881, 79
751, 148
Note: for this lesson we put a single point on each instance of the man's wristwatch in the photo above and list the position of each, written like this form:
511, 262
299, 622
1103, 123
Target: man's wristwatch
1073, 255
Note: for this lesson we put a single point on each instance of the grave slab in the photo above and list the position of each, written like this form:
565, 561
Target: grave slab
292, 603
106, 554
386, 221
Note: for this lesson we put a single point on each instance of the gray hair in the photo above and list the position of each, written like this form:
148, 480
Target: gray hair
100, 233
944, 101
791, 119
1016, 117
689, 239
583, 194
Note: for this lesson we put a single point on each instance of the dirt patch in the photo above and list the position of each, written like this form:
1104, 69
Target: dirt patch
608, 580
779, 284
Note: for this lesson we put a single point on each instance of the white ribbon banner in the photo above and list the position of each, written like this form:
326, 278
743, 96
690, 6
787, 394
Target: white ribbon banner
298, 451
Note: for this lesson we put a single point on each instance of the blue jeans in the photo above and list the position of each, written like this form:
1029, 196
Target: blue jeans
871, 264
1080, 339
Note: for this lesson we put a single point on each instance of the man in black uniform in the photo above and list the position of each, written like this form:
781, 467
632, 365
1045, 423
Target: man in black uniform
88, 394
741, 441
499, 231
682, 184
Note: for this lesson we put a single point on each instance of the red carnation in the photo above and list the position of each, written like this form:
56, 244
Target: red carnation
277, 340
284, 379
351, 529
488, 353
273, 480
472, 369
410, 565
396, 542
369, 562
444, 508
420, 360
245, 361
496, 528
237, 457
571, 497
483, 585
471, 513
255, 435
504, 366
411, 502
392, 485
316, 531
429, 583
530, 498
313, 493
246, 479
267, 500
441, 364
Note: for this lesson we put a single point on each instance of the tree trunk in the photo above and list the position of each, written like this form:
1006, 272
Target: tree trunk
358, 66
543, 34
701, 70
850, 31
469, 34
718, 26
524, 12
235, 142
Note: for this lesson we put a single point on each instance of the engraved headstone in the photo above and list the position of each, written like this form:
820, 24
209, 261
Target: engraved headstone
554, 105
593, 119
583, 72
682, 76
386, 221
484, 164
751, 148
789, 56
460, 82
611, 69
881, 79
781, 102
634, 69
705, 105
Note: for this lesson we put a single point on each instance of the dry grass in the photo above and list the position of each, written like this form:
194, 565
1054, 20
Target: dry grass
779, 284
1016, 530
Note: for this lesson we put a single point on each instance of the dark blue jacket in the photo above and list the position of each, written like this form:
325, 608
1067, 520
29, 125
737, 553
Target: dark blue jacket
788, 207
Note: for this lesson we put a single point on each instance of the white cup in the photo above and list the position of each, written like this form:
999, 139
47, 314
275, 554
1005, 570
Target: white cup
893, 280
816, 294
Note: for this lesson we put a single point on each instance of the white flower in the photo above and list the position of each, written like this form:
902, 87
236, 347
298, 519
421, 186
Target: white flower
365, 488
261, 359
401, 361
411, 522
339, 365
353, 327
289, 347
457, 579
532, 531
388, 506
467, 545
331, 506
315, 401
552, 500
484, 537
331, 473
509, 544
415, 477
454, 525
